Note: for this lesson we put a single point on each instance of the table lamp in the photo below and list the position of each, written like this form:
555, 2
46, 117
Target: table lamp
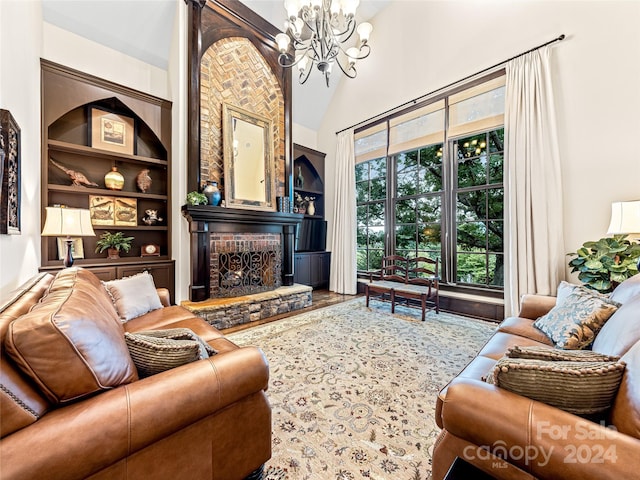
625, 219
67, 222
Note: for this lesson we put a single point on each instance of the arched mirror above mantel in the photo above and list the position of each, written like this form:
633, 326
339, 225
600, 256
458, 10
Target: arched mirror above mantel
235, 63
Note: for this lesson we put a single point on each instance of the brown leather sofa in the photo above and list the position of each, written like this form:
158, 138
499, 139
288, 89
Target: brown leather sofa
509, 436
204, 420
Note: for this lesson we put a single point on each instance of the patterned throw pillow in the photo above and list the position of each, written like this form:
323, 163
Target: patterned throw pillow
576, 319
579, 387
156, 351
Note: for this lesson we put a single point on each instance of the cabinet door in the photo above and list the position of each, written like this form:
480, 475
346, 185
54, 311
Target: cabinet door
320, 269
302, 269
162, 274
104, 273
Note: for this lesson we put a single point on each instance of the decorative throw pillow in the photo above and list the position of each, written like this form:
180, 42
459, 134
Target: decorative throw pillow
576, 319
206, 350
558, 355
154, 351
134, 296
579, 387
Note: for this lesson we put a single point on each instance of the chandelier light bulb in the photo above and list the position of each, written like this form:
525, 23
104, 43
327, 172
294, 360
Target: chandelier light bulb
349, 7
292, 8
364, 31
353, 53
282, 39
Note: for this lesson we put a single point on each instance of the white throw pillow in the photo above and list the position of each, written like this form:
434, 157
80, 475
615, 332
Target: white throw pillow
134, 296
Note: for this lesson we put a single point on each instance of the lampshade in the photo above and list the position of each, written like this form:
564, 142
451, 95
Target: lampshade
67, 222
625, 218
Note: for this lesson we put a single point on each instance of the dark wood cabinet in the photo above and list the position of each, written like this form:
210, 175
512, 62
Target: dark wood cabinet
73, 104
312, 268
161, 271
311, 261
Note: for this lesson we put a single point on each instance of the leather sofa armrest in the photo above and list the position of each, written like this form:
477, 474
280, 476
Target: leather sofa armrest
105, 428
533, 306
543, 440
165, 297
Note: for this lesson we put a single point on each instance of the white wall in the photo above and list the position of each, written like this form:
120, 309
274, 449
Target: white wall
304, 136
178, 80
420, 46
71, 50
20, 46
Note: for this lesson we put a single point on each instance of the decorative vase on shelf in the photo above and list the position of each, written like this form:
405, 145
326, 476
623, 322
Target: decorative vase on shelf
311, 207
299, 178
212, 193
114, 180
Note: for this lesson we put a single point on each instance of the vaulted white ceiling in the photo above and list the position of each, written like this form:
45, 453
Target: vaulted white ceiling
143, 29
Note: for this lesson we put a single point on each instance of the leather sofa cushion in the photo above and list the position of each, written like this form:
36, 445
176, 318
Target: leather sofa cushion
21, 403
523, 327
621, 331
626, 290
72, 343
625, 414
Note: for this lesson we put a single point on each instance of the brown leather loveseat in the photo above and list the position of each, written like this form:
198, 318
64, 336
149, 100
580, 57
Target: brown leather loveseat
510, 436
203, 420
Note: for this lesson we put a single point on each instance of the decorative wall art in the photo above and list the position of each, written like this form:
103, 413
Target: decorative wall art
101, 210
9, 174
126, 211
111, 131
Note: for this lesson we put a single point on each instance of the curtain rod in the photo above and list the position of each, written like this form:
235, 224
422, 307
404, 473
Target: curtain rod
415, 100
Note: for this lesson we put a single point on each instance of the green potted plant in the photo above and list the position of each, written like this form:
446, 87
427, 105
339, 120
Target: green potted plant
113, 243
196, 198
606, 263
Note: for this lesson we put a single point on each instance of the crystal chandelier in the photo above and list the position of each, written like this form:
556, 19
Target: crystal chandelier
320, 31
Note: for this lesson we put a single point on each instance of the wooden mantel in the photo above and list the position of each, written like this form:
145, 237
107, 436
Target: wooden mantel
205, 219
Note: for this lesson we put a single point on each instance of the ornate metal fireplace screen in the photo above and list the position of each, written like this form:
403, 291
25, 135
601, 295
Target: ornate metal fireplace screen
245, 273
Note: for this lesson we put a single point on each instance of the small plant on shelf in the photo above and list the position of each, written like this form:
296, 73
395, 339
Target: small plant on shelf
196, 198
114, 243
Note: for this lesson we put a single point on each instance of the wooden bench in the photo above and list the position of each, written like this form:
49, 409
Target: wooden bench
409, 279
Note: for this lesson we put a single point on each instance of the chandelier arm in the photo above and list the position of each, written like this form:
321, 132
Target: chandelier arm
365, 47
347, 72
304, 73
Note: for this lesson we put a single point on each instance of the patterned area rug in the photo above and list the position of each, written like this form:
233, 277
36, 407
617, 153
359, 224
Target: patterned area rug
353, 389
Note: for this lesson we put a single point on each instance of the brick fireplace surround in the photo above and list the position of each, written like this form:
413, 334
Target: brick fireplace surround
217, 230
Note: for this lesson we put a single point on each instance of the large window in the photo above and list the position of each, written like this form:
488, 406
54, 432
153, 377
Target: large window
435, 187
371, 193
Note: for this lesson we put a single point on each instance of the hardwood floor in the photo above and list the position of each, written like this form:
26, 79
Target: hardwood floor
319, 299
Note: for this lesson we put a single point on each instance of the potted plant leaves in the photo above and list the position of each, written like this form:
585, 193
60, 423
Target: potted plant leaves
113, 243
606, 263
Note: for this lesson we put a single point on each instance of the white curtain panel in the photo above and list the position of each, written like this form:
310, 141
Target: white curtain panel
344, 276
535, 260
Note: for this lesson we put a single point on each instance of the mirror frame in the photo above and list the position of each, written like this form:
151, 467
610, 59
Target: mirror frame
229, 114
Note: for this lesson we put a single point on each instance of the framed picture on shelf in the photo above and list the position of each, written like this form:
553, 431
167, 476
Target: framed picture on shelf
77, 249
101, 210
111, 131
126, 211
